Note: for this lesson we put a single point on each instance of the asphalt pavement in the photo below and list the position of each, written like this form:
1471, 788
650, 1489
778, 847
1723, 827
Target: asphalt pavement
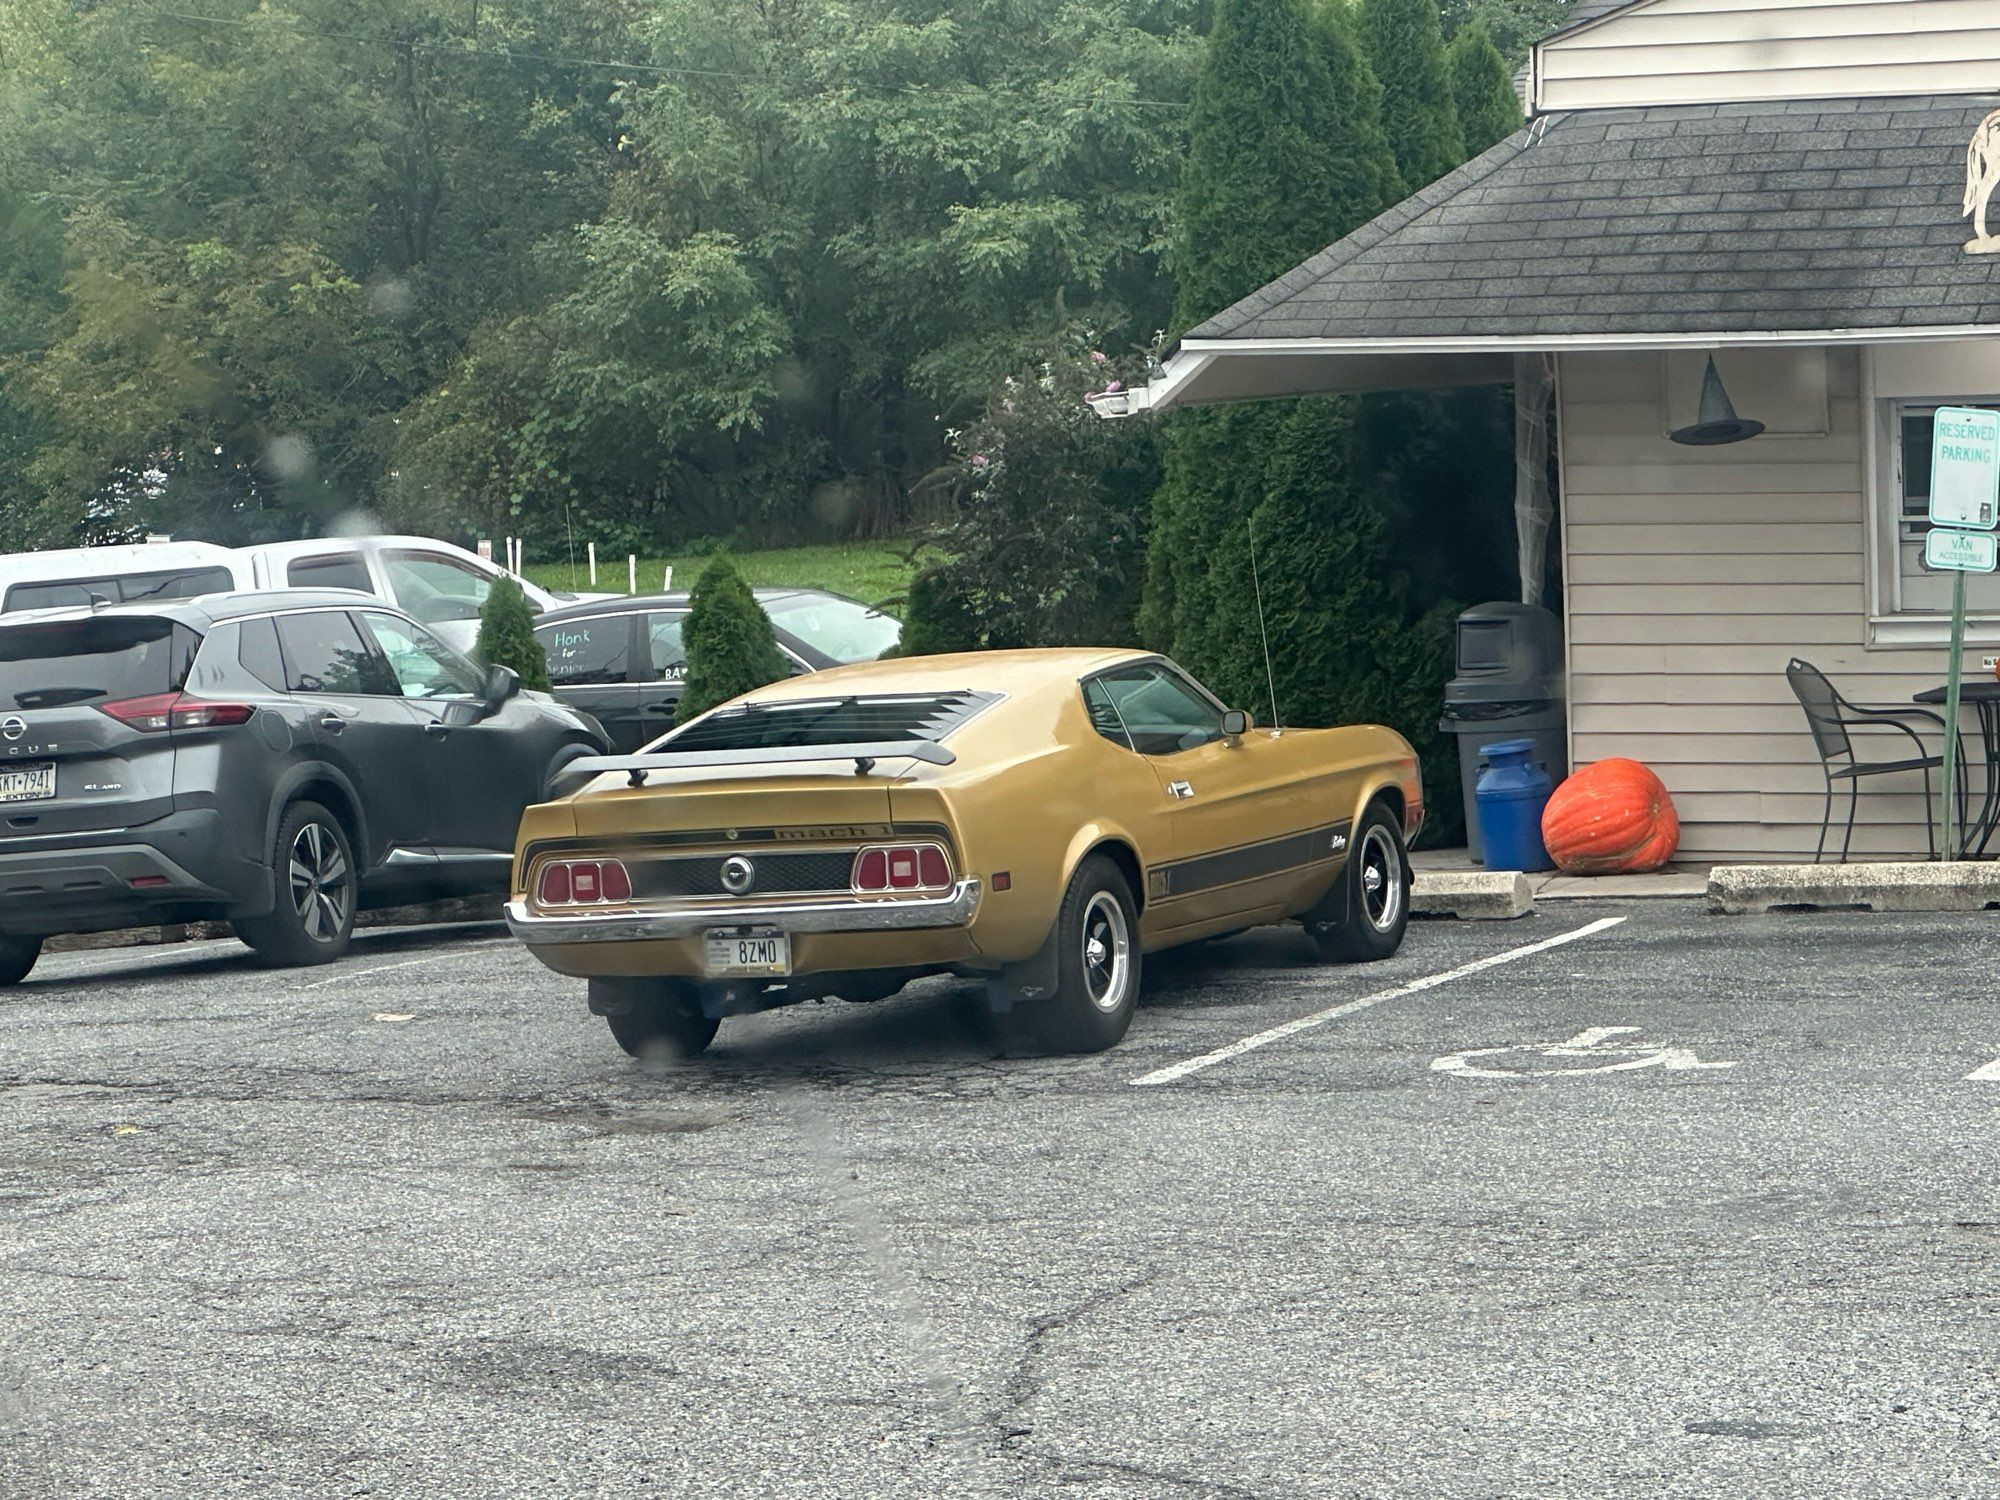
1616, 1200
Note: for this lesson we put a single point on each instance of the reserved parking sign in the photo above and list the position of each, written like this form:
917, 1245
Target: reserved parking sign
1965, 468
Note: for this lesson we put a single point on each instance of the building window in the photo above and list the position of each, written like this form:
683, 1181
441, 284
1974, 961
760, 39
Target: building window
1914, 592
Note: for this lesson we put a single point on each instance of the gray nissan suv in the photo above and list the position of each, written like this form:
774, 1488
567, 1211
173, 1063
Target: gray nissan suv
277, 760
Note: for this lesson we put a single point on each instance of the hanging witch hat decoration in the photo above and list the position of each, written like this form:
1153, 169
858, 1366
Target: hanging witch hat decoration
1717, 422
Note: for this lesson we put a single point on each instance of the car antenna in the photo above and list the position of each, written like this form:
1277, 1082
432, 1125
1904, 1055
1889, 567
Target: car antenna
1270, 677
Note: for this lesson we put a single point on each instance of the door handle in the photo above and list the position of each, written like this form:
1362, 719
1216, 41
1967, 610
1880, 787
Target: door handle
333, 723
437, 727
660, 708
1180, 791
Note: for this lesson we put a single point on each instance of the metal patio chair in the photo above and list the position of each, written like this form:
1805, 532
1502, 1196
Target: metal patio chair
1830, 716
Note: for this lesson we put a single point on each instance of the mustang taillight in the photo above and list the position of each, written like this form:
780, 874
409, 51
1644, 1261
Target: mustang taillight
157, 712
901, 867
583, 882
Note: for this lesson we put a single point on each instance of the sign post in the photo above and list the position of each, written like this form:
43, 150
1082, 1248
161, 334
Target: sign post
1965, 497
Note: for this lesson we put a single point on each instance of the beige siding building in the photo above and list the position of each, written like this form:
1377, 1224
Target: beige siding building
1786, 186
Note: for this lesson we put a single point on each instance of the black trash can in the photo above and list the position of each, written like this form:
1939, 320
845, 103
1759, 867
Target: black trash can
1509, 687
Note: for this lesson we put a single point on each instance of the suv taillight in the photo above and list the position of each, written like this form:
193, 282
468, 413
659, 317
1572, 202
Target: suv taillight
164, 711
901, 867
582, 882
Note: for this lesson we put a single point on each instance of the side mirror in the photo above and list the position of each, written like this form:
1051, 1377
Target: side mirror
1236, 723
500, 684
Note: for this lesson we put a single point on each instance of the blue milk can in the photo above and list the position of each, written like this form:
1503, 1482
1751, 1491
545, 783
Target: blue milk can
1511, 794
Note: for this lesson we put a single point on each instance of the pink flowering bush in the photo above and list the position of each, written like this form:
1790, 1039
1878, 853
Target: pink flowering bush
1046, 544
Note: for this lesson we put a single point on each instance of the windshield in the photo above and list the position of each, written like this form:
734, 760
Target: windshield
841, 628
92, 661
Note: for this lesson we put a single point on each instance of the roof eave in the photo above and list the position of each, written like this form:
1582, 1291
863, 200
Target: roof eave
1193, 374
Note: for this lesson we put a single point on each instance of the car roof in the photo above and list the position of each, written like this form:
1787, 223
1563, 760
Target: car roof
209, 609
111, 561
307, 545
988, 671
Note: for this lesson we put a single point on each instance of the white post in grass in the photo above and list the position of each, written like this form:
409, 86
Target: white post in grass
667, 580
591, 549
631, 572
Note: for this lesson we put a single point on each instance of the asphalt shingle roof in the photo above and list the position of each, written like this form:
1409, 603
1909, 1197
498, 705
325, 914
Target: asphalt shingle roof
1719, 218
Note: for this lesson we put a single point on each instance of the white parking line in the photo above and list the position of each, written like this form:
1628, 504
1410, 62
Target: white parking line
408, 963
1353, 1007
1987, 1074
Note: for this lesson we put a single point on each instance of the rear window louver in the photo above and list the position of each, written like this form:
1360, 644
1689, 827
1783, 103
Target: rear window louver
831, 721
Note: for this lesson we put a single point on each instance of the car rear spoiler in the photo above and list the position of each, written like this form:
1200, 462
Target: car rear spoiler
579, 773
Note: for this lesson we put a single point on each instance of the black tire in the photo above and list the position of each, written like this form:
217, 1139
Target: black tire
563, 757
17, 956
659, 1020
313, 917
1364, 916
1097, 964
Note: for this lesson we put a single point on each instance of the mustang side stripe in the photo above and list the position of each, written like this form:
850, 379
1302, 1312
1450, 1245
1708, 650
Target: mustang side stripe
1252, 861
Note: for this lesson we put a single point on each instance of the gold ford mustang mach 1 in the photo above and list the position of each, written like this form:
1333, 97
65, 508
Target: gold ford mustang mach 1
1038, 819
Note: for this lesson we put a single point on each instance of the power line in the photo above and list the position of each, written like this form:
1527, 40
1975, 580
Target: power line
623, 65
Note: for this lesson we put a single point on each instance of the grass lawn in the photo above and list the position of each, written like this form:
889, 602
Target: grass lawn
869, 571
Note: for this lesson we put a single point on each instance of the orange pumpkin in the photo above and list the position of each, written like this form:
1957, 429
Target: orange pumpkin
1613, 818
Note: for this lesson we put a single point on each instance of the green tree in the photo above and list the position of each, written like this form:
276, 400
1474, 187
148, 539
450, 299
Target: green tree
1405, 46
1482, 87
507, 635
1282, 157
731, 647
1514, 25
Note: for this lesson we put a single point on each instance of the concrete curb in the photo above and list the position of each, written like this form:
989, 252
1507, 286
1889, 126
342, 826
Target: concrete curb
1949, 886
1472, 895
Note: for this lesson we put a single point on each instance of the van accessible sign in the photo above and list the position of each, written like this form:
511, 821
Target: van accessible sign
1965, 468
1961, 551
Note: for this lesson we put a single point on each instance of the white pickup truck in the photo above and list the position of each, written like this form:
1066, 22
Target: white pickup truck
439, 584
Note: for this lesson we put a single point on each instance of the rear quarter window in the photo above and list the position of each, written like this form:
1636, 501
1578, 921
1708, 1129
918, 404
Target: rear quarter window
257, 650
180, 583
92, 661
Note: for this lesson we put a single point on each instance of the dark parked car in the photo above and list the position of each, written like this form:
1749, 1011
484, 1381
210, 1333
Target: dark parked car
277, 760
621, 660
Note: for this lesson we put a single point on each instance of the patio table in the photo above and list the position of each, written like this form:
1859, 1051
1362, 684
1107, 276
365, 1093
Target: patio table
1983, 696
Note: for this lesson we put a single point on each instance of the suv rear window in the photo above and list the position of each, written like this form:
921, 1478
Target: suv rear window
184, 583
829, 721
92, 661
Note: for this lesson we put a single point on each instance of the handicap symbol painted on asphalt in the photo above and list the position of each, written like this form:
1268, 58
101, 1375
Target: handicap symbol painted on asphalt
1597, 1050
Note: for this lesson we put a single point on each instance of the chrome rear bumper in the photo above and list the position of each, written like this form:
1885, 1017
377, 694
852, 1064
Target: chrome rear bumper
848, 914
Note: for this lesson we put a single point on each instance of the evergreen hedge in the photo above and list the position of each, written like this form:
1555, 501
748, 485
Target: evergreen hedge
1405, 45
1482, 87
1352, 581
731, 647
507, 635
